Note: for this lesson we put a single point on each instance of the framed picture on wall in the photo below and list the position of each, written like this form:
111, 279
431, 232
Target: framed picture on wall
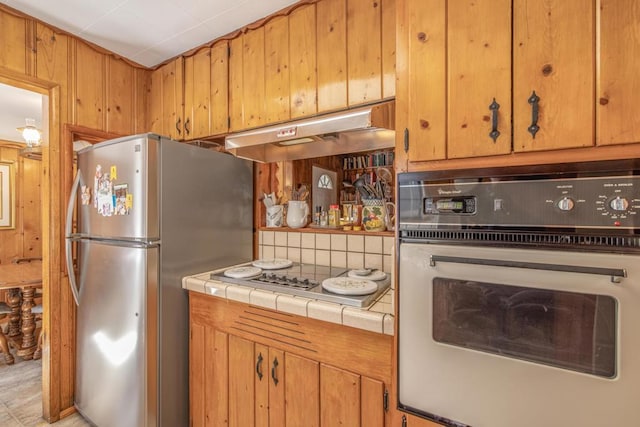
7, 195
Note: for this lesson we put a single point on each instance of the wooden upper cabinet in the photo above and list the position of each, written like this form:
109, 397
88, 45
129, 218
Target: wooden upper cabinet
332, 54
618, 87
302, 61
197, 92
121, 84
276, 70
14, 55
253, 77
364, 45
422, 81
479, 72
219, 97
89, 87
236, 85
388, 29
172, 99
154, 116
553, 56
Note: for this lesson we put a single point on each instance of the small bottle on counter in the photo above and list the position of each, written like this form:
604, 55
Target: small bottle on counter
323, 218
316, 215
334, 215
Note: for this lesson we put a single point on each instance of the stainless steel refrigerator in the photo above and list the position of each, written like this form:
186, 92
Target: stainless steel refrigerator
149, 211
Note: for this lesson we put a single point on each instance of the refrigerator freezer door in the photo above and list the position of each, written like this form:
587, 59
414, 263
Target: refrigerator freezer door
116, 366
120, 195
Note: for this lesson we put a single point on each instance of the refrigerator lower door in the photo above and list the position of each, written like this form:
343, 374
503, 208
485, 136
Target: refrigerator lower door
116, 379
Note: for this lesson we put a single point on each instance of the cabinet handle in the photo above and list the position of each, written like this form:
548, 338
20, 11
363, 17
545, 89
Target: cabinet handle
259, 366
187, 125
178, 125
494, 107
406, 140
404, 421
533, 100
273, 371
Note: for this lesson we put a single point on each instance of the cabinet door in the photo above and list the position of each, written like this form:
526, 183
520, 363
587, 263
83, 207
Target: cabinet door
388, 30
371, 409
120, 96
278, 373
479, 72
332, 54
208, 376
421, 80
241, 382
172, 92
236, 91
553, 56
340, 397
302, 61
89, 89
262, 384
364, 44
197, 89
302, 385
276, 69
155, 103
220, 88
618, 92
253, 77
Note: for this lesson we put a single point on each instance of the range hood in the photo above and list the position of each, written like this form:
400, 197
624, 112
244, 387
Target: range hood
349, 131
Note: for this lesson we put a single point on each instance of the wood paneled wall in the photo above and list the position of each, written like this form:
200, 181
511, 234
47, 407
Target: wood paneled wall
25, 240
87, 86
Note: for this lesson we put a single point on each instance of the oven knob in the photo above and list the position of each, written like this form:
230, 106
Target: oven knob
565, 204
294, 280
619, 204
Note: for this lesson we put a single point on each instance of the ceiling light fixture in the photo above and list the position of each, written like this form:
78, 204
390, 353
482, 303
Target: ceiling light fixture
30, 133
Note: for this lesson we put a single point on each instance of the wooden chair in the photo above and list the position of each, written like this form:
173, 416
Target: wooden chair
4, 344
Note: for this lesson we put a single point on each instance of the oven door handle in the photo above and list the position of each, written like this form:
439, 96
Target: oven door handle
616, 273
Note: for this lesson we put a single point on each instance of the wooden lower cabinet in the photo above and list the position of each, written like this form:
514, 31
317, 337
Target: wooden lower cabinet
407, 420
242, 379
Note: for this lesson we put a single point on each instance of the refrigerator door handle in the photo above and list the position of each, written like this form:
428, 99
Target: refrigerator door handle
68, 228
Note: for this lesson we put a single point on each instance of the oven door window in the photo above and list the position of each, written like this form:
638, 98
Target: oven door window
564, 329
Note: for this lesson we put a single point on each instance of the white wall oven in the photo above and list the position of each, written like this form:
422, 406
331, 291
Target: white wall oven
519, 296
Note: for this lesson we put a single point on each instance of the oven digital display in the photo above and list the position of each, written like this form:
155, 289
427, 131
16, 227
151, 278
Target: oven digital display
451, 205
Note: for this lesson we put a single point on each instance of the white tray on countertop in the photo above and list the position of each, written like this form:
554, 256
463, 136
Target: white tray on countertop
272, 263
374, 275
246, 272
349, 286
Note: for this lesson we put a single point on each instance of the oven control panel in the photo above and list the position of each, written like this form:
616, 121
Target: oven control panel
603, 202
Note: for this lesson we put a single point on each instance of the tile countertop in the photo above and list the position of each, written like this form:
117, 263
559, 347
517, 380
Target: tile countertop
378, 317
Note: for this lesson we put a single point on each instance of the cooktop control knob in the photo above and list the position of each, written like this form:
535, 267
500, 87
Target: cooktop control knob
565, 204
619, 204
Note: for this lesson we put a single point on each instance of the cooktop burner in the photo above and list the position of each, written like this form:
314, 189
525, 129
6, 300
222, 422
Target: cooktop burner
306, 280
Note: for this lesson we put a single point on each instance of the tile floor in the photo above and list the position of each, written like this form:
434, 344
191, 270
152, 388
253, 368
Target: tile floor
21, 397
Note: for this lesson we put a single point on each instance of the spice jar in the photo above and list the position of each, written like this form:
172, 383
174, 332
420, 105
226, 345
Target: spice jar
334, 215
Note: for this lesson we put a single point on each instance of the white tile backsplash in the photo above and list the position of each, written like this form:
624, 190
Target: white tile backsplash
308, 240
373, 261
323, 241
308, 256
280, 238
338, 242
373, 244
323, 257
281, 252
268, 252
293, 240
293, 254
267, 237
388, 245
355, 260
355, 243
339, 259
